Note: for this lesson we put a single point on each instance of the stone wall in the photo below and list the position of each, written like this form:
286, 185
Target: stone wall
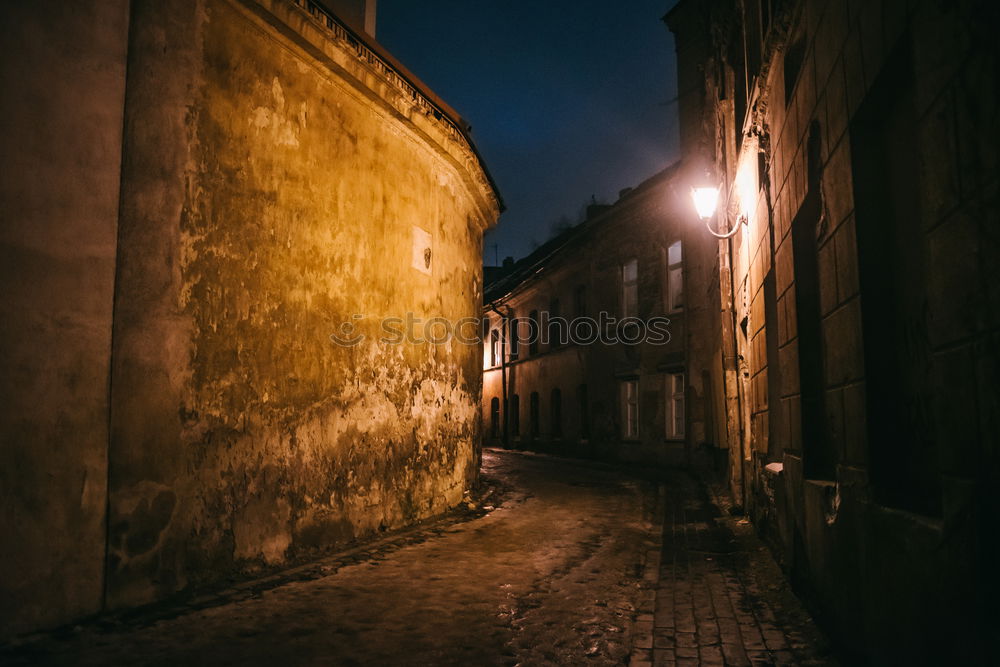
62, 70
859, 179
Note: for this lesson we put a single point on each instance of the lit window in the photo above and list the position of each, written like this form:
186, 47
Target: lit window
675, 406
630, 409
630, 288
494, 347
675, 278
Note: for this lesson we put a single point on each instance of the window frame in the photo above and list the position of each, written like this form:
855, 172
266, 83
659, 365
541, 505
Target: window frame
629, 287
629, 405
675, 395
669, 269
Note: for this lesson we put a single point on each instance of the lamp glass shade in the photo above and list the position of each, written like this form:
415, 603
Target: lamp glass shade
705, 201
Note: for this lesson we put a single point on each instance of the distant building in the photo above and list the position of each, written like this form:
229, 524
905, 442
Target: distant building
855, 144
197, 196
560, 374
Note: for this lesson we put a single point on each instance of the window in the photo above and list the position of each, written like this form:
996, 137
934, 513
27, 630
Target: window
533, 332
512, 335
556, 325
495, 347
533, 414
514, 416
555, 412
581, 399
630, 409
794, 56
495, 418
674, 413
675, 278
630, 288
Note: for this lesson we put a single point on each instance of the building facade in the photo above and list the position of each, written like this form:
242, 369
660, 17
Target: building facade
855, 145
589, 346
197, 195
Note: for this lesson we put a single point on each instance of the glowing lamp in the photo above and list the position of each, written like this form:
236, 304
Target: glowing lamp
705, 201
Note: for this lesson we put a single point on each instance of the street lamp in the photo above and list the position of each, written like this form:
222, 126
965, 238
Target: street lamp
705, 201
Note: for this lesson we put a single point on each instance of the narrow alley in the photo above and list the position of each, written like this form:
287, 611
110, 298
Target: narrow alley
559, 566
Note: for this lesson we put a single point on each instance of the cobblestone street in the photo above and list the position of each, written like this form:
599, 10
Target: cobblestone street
566, 563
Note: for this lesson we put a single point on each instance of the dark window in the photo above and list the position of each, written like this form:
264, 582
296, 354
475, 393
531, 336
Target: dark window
794, 56
533, 414
555, 412
533, 332
495, 418
629, 392
514, 415
582, 401
557, 326
512, 337
903, 460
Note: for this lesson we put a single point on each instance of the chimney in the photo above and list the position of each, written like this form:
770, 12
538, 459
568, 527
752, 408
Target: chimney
508, 262
370, 17
360, 14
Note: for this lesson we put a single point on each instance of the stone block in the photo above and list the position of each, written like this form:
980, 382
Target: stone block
855, 426
847, 260
955, 410
835, 422
838, 184
787, 326
837, 117
788, 360
953, 281
842, 349
783, 267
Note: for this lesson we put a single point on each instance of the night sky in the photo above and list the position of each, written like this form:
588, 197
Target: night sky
567, 99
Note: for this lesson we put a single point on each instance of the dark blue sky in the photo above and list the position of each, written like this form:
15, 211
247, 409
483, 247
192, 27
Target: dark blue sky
567, 99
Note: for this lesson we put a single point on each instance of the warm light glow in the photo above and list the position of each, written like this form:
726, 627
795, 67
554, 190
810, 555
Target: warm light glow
746, 190
705, 201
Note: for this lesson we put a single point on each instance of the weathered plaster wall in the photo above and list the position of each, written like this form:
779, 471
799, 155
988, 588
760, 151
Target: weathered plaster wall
271, 190
62, 72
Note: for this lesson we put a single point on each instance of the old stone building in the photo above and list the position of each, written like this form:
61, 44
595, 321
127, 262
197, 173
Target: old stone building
196, 195
855, 147
568, 366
